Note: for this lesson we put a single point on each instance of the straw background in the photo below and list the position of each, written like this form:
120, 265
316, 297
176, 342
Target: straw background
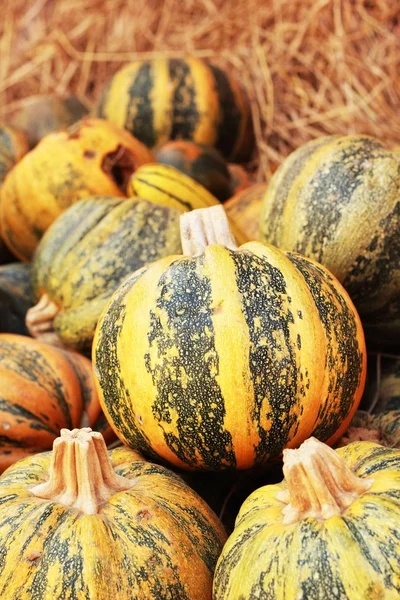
311, 67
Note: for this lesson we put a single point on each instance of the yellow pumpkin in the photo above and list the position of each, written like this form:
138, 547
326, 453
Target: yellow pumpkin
244, 208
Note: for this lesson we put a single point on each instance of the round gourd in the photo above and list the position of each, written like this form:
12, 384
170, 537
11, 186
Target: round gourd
328, 531
41, 115
167, 99
42, 389
85, 523
245, 209
15, 297
336, 200
85, 255
382, 428
224, 356
93, 157
202, 163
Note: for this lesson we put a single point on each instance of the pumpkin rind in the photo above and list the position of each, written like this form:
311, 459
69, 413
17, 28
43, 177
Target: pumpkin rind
232, 356
354, 555
90, 250
336, 199
168, 99
93, 157
157, 539
202, 163
15, 297
244, 208
42, 390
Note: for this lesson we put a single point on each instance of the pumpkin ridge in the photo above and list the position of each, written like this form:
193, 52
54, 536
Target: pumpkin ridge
164, 191
185, 114
19, 411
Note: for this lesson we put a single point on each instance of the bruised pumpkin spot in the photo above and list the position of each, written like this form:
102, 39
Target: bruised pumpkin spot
119, 166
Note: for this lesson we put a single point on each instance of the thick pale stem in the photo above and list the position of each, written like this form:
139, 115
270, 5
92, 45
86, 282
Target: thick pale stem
320, 484
40, 321
81, 474
205, 226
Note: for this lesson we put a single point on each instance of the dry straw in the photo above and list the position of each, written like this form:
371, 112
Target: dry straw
311, 67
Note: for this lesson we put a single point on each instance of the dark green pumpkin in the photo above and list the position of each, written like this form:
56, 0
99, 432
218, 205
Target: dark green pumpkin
86, 254
167, 99
15, 297
202, 163
337, 200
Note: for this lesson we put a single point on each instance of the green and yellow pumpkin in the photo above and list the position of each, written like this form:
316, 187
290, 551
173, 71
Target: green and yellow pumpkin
167, 99
202, 163
85, 255
245, 209
42, 390
329, 530
222, 357
15, 297
92, 157
84, 523
337, 200
382, 428
40, 115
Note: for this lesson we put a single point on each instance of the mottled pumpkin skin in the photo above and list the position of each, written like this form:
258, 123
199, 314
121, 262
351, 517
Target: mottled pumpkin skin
158, 540
337, 200
202, 163
245, 209
41, 115
90, 250
15, 297
354, 556
222, 360
93, 157
42, 390
167, 99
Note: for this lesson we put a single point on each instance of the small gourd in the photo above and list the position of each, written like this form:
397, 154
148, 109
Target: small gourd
15, 297
328, 531
222, 357
87, 523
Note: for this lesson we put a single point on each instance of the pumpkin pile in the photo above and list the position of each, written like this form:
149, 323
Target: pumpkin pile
211, 331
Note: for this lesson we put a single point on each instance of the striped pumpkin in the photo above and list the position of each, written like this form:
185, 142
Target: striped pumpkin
93, 157
85, 255
336, 200
223, 357
41, 115
167, 99
202, 163
328, 531
382, 428
81, 523
42, 390
245, 209
15, 297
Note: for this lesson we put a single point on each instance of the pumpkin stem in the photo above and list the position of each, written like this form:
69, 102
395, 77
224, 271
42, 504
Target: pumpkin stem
205, 226
319, 482
39, 321
81, 474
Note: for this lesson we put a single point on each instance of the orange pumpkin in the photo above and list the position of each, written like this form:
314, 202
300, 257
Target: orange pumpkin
93, 157
42, 390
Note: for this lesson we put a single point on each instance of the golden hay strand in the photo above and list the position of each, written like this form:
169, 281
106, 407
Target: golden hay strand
311, 67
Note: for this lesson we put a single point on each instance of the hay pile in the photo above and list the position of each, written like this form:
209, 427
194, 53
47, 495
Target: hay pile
311, 67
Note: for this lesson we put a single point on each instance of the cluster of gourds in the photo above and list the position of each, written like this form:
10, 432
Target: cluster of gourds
212, 350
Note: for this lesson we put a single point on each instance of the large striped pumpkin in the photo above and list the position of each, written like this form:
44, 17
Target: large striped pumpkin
42, 390
85, 255
15, 297
92, 157
337, 200
330, 530
224, 356
167, 99
80, 523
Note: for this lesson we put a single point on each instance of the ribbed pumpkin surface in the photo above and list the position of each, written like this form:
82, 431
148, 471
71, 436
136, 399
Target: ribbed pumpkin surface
15, 297
42, 390
352, 556
168, 99
224, 359
90, 250
337, 200
156, 540
93, 157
